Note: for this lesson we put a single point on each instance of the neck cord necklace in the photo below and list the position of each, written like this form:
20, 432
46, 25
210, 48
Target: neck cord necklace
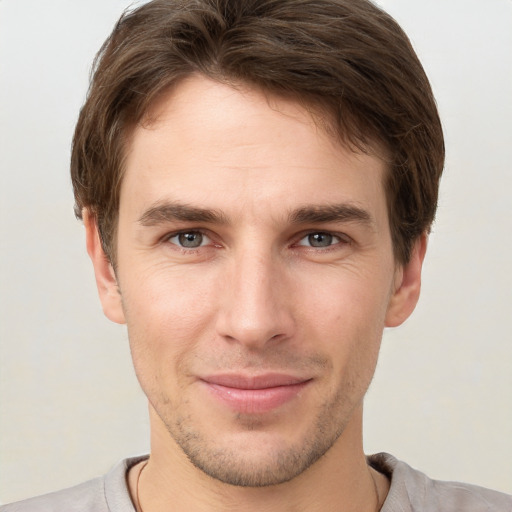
376, 490
138, 506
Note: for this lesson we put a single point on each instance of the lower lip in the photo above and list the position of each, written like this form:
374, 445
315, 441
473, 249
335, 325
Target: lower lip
256, 401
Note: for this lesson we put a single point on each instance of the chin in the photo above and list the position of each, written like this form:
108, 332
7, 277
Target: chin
258, 456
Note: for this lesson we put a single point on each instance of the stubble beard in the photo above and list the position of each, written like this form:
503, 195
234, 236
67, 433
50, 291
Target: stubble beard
268, 467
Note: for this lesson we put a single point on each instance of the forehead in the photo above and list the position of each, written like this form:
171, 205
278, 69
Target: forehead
206, 143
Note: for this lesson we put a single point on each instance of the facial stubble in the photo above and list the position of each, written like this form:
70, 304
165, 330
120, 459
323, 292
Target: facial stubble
281, 464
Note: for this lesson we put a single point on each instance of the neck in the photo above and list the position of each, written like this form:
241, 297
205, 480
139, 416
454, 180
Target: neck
340, 480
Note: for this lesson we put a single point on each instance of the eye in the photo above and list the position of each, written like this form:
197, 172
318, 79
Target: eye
320, 239
189, 239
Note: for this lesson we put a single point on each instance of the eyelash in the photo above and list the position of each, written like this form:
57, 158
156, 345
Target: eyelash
342, 239
337, 239
167, 238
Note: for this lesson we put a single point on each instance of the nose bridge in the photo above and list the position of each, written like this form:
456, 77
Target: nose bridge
255, 309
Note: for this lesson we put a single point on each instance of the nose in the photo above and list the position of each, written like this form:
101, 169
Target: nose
255, 305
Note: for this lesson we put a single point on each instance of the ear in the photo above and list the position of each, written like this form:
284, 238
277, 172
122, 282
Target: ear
407, 285
106, 280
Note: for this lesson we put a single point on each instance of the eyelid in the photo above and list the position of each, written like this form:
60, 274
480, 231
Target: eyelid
343, 238
207, 238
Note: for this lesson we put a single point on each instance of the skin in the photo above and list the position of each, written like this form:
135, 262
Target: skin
270, 287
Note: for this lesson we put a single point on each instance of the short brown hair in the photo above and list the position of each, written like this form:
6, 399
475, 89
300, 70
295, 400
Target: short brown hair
347, 57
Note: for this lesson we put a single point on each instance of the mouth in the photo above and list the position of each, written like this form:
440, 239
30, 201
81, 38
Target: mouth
255, 394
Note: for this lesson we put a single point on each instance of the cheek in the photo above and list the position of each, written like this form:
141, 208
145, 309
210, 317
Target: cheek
166, 318
347, 317
347, 300
168, 300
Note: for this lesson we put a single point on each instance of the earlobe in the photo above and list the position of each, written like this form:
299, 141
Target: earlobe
106, 280
407, 285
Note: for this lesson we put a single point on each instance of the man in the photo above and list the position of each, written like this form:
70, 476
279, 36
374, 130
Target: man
257, 181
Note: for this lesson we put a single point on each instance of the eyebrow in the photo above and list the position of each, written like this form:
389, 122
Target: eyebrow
331, 213
169, 212
309, 214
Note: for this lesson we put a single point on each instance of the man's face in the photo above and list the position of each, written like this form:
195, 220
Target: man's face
256, 275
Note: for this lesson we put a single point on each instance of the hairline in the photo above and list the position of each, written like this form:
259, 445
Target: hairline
322, 118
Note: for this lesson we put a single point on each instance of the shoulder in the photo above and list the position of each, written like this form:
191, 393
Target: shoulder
88, 496
108, 493
413, 491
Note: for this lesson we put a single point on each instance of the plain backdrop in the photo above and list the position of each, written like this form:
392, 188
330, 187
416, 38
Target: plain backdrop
70, 406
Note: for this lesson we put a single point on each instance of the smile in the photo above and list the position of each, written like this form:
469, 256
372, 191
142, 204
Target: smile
255, 394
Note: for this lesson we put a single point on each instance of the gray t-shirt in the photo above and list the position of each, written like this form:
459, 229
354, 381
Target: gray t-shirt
410, 491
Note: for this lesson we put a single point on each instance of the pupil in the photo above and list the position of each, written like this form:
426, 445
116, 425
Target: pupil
190, 239
320, 240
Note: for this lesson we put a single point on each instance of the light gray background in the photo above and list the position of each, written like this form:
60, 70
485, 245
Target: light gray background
70, 405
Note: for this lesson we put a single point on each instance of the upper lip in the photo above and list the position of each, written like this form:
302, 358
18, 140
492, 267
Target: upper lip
262, 381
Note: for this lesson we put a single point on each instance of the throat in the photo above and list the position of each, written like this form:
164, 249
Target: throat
150, 494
